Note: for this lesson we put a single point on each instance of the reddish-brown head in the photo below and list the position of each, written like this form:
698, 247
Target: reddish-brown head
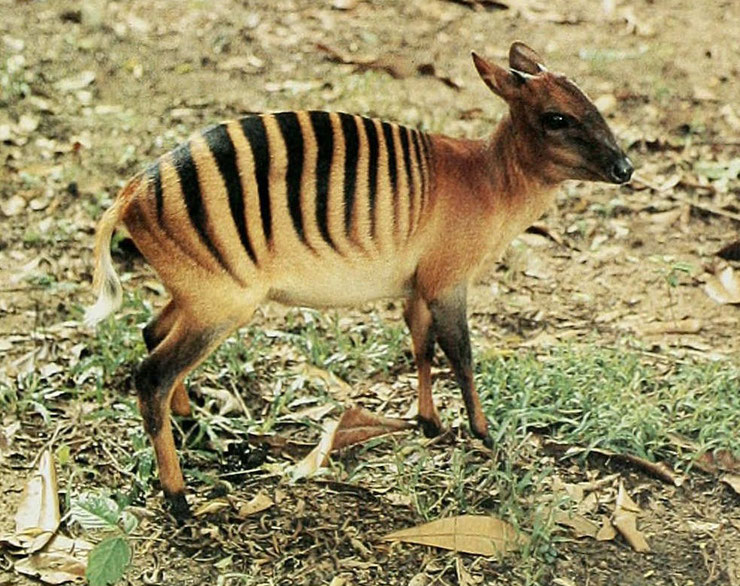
564, 134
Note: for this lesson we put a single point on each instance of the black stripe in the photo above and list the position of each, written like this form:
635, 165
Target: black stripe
420, 164
254, 131
222, 148
154, 174
290, 128
324, 133
372, 143
390, 146
403, 131
351, 154
182, 160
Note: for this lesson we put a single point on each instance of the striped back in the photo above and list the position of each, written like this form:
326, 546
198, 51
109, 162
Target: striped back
330, 182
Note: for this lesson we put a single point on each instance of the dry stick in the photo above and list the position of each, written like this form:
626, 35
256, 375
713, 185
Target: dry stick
708, 208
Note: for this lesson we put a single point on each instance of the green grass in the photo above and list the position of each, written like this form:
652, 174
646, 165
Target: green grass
615, 398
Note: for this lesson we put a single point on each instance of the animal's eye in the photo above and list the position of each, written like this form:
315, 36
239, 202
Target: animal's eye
555, 121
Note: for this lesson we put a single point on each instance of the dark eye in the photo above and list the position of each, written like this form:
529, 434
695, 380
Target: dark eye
555, 121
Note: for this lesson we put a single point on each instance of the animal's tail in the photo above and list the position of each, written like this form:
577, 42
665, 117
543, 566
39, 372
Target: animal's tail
106, 284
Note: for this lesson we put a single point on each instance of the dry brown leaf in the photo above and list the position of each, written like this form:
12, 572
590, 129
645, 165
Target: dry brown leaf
607, 531
581, 526
319, 455
396, 66
725, 287
336, 386
259, 502
625, 521
431, 70
356, 425
212, 506
684, 326
226, 401
62, 560
733, 481
37, 517
464, 578
657, 469
474, 534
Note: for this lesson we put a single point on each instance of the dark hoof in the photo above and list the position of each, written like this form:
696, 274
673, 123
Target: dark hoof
178, 507
487, 441
429, 427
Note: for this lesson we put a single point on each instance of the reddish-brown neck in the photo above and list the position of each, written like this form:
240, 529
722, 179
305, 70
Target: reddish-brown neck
513, 167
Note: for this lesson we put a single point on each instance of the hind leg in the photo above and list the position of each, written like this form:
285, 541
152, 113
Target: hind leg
419, 320
187, 344
156, 331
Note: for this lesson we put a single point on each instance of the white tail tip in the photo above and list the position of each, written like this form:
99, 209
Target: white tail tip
109, 300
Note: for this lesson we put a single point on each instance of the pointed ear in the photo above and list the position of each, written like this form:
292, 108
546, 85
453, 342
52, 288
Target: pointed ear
525, 59
501, 82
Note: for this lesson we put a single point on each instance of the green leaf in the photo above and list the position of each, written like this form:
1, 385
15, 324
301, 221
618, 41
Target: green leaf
107, 561
95, 511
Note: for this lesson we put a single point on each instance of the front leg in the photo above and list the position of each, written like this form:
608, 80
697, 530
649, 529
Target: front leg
450, 326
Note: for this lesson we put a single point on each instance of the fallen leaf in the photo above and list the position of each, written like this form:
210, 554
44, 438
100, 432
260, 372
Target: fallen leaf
62, 560
464, 577
625, 521
733, 481
259, 502
396, 66
430, 69
684, 326
335, 385
227, 401
212, 506
37, 517
473, 534
724, 288
319, 455
581, 526
76, 82
658, 469
607, 531
356, 425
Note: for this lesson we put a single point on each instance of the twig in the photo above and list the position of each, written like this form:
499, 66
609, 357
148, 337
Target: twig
115, 463
701, 206
708, 208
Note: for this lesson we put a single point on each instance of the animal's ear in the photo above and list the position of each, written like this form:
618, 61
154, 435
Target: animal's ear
501, 82
525, 59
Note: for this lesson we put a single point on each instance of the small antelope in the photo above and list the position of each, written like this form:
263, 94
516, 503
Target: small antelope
327, 209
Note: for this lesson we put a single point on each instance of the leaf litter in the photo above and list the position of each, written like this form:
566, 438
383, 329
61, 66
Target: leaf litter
666, 158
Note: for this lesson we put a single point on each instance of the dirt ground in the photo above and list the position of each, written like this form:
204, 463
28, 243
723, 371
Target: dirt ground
93, 90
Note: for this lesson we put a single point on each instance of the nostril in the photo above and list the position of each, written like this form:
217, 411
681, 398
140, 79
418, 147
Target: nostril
622, 170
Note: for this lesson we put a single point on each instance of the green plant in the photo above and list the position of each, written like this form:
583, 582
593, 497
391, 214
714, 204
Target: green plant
109, 559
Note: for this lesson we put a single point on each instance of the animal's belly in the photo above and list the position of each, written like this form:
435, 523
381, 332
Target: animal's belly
338, 283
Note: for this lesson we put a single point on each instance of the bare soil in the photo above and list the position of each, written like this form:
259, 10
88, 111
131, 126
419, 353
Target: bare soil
610, 266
